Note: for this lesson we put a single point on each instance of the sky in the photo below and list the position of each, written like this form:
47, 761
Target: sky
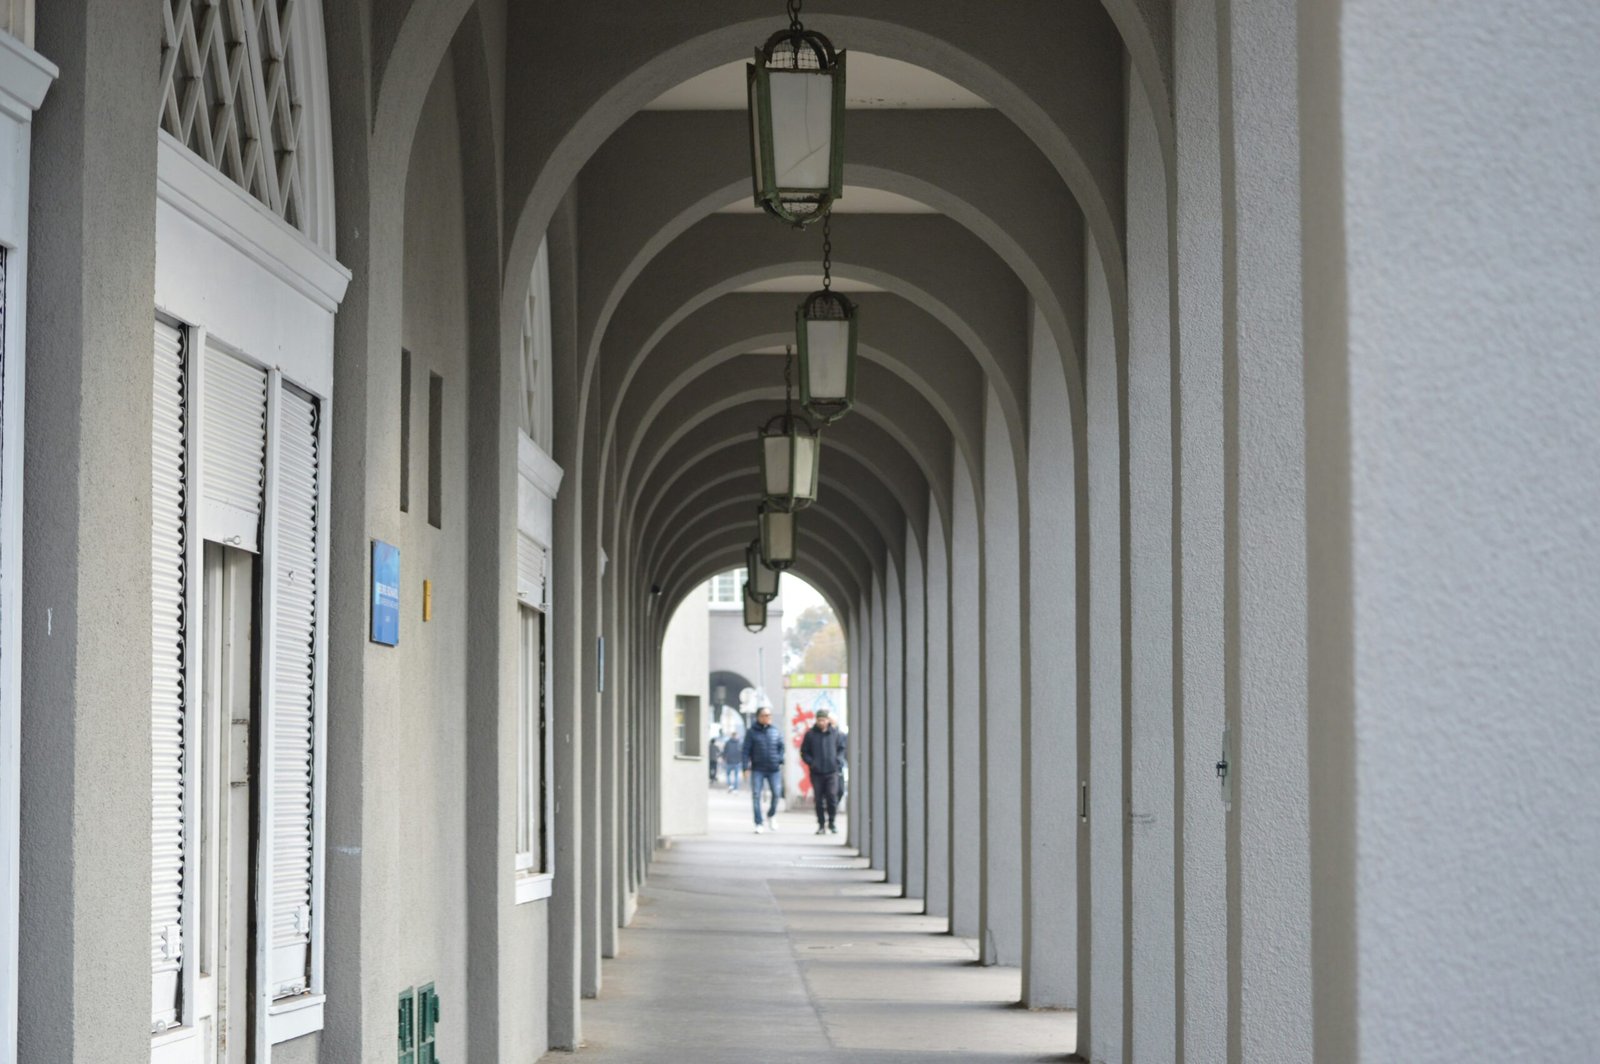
798, 596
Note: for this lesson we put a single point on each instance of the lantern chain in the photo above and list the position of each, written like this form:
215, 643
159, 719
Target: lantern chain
827, 251
794, 16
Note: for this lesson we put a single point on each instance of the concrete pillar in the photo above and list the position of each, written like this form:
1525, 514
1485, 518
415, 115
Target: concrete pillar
1050, 804
1197, 242
617, 650
966, 703
567, 599
1264, 360
938, 716
1005, 693
1102, 1030
894, 726
914, 803
1454, 424
590, 760
1150, 488
84, 931
878, 776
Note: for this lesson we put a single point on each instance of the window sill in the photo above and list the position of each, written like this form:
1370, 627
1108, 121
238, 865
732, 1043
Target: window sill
688, 757
295, 1017
534, 886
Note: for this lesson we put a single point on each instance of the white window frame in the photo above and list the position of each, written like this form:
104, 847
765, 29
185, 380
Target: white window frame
228, 267
538, 483
730, 598
25, 77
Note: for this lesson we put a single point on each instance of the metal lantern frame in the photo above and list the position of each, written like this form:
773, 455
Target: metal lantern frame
755, 612
794, 50
760, 579
782, 482
771, 521
826, 305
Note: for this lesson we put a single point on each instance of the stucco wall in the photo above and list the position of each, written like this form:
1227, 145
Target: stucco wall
684, 780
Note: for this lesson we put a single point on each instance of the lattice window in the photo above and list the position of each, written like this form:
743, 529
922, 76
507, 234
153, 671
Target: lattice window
229, 93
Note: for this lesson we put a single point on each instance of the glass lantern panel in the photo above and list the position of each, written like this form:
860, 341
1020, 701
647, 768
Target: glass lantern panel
777, 536
827, 358
802, 129
755, 611
775, 464
805, 466
764, 580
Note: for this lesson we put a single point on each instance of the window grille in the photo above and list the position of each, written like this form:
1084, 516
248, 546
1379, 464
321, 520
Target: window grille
230, 94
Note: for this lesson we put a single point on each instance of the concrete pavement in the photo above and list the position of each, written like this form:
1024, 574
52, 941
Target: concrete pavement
786, 947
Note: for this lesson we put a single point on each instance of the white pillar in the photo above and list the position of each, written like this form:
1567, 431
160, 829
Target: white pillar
938, 680
1151, 721
1005, 689
1050, 804
1454, 463
966, 702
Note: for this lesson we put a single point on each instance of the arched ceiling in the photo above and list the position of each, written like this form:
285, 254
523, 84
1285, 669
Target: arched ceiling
985, 168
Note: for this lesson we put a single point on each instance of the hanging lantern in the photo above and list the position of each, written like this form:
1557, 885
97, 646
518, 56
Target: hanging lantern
791, 452
796, 87
778, 529
825, 330
760, 582
755, 612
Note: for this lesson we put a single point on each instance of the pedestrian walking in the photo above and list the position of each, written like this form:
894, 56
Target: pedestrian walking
714, 758
763, 756
823, 751
732, 759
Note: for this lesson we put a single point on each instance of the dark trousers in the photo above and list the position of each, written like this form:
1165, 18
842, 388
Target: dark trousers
825, 789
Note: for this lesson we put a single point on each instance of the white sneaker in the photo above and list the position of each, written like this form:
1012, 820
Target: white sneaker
772, 825
759, 829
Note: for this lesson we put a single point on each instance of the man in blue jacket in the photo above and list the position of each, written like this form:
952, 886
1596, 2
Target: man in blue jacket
823, 751
763, 758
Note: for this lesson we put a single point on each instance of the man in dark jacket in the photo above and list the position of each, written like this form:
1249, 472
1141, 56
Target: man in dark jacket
823, 751
763, 757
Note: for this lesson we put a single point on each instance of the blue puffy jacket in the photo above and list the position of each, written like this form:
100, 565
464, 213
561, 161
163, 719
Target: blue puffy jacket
763, 748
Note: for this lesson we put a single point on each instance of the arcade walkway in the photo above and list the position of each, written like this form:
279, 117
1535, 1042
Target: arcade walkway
785, 947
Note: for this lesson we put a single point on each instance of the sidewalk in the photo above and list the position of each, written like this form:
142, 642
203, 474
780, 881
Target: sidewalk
785, 947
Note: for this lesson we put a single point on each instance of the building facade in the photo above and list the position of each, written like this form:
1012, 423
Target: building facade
1214, 534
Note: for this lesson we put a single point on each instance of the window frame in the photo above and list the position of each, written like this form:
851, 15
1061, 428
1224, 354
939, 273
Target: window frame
538, 483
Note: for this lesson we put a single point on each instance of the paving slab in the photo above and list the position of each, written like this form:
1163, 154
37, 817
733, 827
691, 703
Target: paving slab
785, 946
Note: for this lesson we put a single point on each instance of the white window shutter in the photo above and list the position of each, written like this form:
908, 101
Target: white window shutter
233, 449
287, 857
169, 580
531, 567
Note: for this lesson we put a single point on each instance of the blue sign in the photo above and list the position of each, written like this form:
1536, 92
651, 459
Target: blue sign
385, 593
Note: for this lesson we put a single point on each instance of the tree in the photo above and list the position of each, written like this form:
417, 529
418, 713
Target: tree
811, 620
826, 652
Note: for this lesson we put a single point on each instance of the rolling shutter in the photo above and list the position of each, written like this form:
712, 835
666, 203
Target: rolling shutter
233, 449
292, 565
531, 567
168, 589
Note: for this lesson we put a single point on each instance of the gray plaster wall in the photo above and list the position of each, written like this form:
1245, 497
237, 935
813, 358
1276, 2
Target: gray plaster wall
1101, 1030
1453, 397
84, 939
939, 724
570, 646
1050, 805
1203, 918
878, 722
966, 704
1006, 690
915, 797
418, 845
1264, 343
1153, 714
894, 746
